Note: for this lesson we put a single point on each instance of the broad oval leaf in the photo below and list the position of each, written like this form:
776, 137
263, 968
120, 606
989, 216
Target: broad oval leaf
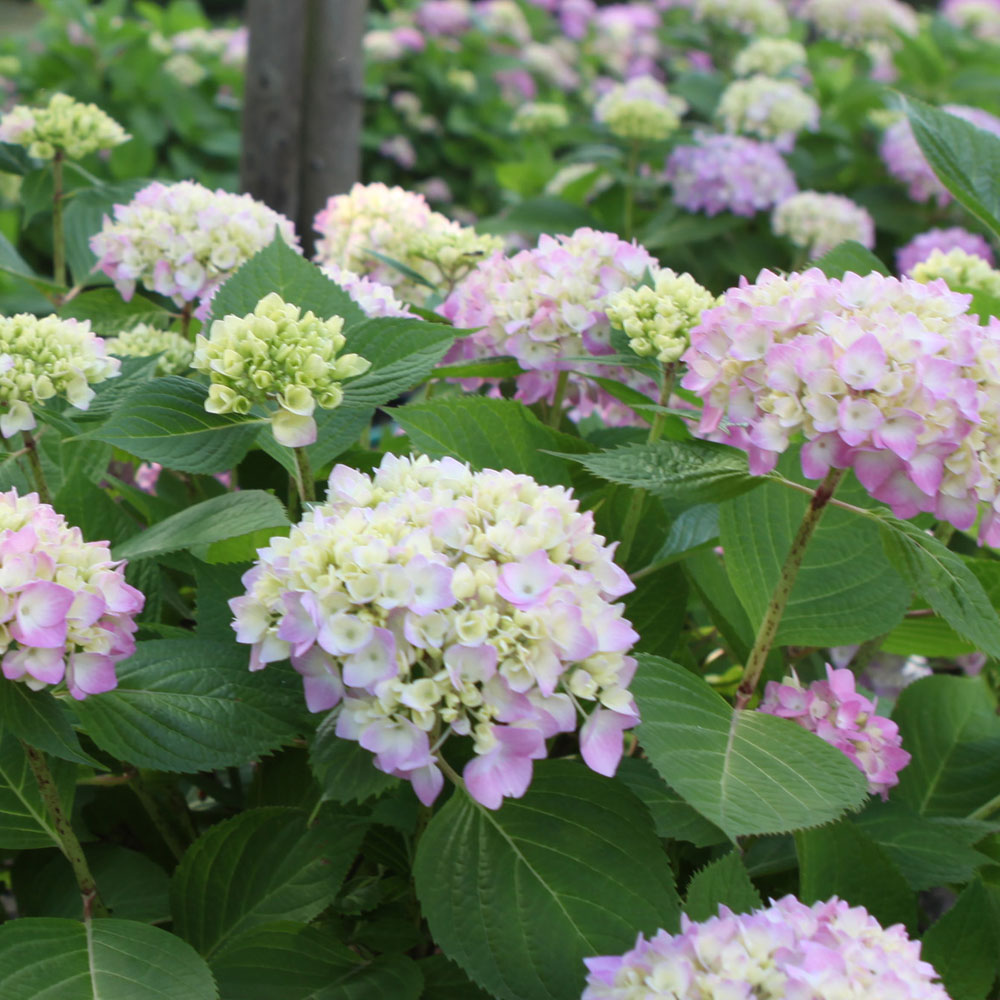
724, 882
189, 705
745, 771
106, 959
261, 866
519, 897
40, 719
849, 256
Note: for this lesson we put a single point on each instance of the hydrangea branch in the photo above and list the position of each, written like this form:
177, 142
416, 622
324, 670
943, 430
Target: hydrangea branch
783, 588
58, 230
69, 844
37, 472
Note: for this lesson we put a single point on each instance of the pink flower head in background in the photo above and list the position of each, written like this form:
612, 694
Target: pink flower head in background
954, 238
786, 949
889, 377
428, 602
66, 612
729, 173
844, 718
444, 17
547, 307
906, 162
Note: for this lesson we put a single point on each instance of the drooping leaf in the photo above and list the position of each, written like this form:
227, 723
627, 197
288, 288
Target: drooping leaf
951, 729
261, 866
104, 959
744, 771
228, 516
518, 897
191, 705
166, 422
488, 434
39, 719
724, 882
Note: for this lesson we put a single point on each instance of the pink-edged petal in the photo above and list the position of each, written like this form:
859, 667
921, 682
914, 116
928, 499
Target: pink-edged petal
427, 782
397, 744
321, 681
40, 615
601, 740
90, 673
472, 663
431, 584
528, 582
374, 662
863, 363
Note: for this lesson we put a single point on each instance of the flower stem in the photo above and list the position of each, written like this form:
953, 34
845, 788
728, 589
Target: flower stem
450, 773
41, 484
632, 170
783, 588
68, 842
305, 484
555, 410
58, 231
186, 313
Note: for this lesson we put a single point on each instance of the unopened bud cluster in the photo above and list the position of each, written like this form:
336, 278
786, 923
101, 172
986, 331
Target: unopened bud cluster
143, 341
640, 109
64, 125
772, 57
539, 117
277, 354
816, 222
962, 271
773, 110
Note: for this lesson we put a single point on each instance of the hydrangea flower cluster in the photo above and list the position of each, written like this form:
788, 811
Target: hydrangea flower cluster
816, 222
960, 270
399, 225
782, 951
64, 125
429, 601
769, 109
143, 341
374, 299
979, 17
953, 238
183, 240
503, 18
855, 22
906, 162
772, 57
276, 353
539, 117
729, 173
840, 716
640, 109
66, 612
887, 376
749, 17
624, 38
658, 319
42, 358
547, 306
444, 17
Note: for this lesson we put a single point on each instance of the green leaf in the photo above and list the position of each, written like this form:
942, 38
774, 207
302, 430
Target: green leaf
101, 960
24, 820
535, 216
950, 727
966, 159
962, 948
278, 268
657, 609
930, 636
929, 851
673, 818
501, 890
344, 769
228, 516
488, 434
292, 961
744, 771
258, 867
723, 882
944, 581
191, 705
844, 593
849, 256
503, 367
689, 472
443, 980
14, 159
83, 217
132, 886
135, 373
41, 720
165, 421
692, 528
402, 352
109, 313
336, 431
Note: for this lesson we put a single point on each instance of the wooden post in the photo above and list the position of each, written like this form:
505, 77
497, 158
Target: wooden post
303, 106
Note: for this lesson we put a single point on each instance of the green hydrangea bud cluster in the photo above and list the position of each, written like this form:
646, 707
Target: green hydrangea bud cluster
42, 358
658, 319
276, 353
640, 109
67, 125
143, 341
772, 57
966, 272
539, 117
452, 249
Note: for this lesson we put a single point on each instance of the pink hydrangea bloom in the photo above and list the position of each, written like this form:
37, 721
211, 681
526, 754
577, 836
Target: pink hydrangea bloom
66, 612
444, 17
887, 376
980, 17
840, 716
548, 306
729, 173
906, 162
183, 240
625, 39
428, 601
954, 238
786, 949
374, 298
